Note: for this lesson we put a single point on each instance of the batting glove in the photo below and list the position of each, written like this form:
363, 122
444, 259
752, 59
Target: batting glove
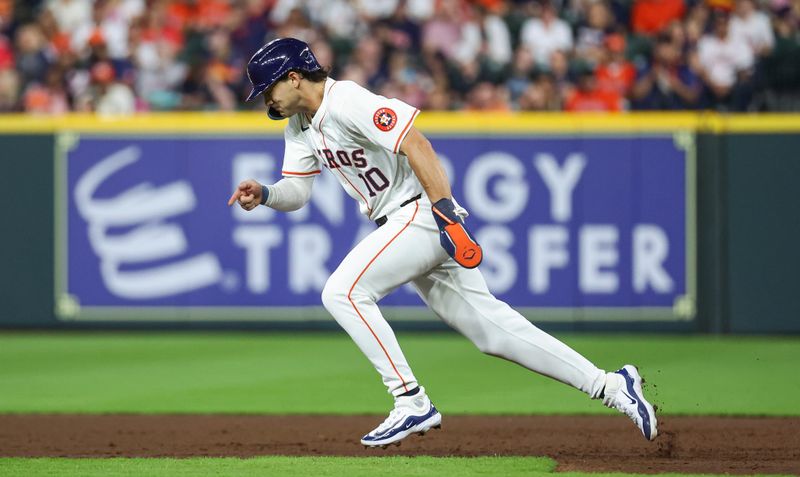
454, 237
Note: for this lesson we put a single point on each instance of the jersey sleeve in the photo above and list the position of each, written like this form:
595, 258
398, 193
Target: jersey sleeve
380, 120
298, 159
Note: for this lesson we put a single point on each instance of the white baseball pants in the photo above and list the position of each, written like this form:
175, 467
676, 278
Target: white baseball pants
406, 249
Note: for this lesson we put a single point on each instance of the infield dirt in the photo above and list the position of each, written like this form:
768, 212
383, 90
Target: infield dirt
715, 445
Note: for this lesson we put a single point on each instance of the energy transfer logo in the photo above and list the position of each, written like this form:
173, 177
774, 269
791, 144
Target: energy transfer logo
131, 235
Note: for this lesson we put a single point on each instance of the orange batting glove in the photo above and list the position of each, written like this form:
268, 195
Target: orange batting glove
454, 236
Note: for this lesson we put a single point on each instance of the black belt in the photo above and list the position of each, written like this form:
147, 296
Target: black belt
382, 219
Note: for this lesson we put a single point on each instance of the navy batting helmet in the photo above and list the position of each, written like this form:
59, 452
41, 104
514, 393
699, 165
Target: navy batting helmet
274, 60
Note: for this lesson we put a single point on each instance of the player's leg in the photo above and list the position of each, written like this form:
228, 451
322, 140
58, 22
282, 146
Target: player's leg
461, 298
384, 260
381, 262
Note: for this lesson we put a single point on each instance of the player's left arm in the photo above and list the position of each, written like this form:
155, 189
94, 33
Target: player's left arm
453, 234
426, 165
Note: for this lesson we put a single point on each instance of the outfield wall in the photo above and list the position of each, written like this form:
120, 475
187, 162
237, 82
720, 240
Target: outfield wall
640, 221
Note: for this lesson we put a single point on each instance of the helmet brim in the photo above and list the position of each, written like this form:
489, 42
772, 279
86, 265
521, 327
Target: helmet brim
271, 112
254, 94
274, 114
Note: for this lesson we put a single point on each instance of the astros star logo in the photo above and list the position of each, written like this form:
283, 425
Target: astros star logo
384, 119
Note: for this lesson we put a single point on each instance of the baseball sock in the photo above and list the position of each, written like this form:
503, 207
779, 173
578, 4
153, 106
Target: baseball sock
413, 392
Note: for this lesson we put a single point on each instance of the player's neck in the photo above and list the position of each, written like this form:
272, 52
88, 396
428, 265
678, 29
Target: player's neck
312, 97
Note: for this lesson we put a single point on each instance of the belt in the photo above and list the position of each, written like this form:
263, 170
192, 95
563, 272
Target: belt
382, 219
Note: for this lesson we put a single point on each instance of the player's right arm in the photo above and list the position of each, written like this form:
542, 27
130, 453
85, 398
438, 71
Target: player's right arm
300, 166
286, 195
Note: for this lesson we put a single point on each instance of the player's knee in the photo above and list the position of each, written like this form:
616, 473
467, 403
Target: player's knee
487, 345
334, 294
484, 347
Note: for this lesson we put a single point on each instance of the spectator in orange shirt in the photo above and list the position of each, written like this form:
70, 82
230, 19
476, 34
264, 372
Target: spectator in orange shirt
588, 97
51, 97
649, 17
615, 73
6, 54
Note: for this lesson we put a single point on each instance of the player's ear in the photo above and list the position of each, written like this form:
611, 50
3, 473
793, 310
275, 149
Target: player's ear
294, 78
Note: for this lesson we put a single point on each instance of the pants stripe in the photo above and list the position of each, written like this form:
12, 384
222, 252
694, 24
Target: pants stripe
416, 203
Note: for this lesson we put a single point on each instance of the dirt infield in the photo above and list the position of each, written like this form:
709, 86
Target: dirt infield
687, 444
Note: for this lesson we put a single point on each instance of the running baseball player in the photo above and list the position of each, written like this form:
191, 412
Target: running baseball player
369, 143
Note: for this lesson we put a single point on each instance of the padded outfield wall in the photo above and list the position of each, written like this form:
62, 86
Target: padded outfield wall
639, 221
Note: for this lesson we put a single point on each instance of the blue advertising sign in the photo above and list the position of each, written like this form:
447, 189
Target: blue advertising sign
572, 227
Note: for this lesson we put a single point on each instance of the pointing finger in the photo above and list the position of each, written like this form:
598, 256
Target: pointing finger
234, 196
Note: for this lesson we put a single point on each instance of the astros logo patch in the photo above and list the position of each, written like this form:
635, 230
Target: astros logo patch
384, 119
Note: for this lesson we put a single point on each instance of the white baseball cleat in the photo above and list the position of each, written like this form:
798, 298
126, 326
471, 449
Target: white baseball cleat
625, 395
411, 415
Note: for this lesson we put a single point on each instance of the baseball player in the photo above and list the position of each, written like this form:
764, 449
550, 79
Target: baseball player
369, 143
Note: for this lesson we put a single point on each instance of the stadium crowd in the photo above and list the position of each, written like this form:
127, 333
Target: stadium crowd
124, 56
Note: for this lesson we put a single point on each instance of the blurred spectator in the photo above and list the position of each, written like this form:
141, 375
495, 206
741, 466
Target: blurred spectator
649, 17
442, 34
9, 90
753, 27
591, 36
615, 73
696, 22
249, 27
6, 12
522, 69
726, 64
484, 39
541, 95
6, 54
439, 99
781, 69
406, 82
48, 98
666, 83
71, 15
588, 97
376, 9
546, 34
31, 58
399, 32
109, 25
111, 97
368, 57
442, 54
223, 69
297, 25
560, 71
155, 55
487, 97
420, 10
497, 38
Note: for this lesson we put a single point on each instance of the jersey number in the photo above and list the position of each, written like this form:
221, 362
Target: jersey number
374, 180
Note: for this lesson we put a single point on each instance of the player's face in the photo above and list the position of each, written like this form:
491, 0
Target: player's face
283, 97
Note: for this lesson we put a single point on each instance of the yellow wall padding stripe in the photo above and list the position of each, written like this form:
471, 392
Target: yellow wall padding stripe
466, 123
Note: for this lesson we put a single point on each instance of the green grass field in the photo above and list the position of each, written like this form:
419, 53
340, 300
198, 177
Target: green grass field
299, 373
304, 372
298, 466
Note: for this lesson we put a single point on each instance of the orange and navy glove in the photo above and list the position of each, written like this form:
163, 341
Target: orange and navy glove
454, 237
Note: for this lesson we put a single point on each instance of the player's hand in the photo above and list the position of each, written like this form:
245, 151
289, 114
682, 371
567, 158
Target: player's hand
248, 194
454, 237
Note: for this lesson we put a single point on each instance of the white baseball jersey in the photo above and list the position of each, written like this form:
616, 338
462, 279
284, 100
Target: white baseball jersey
356, 134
